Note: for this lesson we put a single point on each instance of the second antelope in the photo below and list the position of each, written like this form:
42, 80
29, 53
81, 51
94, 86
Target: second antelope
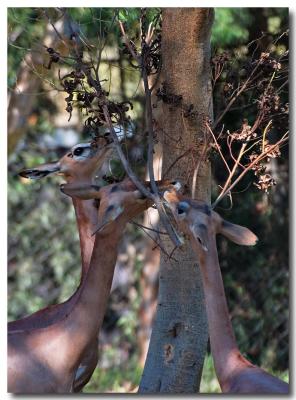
201, 224
54, 350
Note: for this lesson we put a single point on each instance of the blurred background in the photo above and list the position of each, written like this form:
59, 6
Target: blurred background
43, 247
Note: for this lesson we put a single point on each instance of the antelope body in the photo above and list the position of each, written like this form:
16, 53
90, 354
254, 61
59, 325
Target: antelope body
79, 165
55, 349
47, 359
234, 372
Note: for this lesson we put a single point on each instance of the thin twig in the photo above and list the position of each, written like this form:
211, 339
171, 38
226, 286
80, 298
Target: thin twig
149, 229
165, 221
175, 162
283, 85
127, 43
149, 120
243, 87
218, 147
157, 243
229, 141
250, 166
157, 77
54, 28
122, 157
231, 174
125, 163
264, 134
162, 214
202, 158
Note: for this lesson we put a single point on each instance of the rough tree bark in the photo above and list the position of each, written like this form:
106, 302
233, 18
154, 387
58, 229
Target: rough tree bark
179, 335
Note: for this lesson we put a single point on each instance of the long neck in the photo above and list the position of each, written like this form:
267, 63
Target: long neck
223, 344
87, 315
86, 218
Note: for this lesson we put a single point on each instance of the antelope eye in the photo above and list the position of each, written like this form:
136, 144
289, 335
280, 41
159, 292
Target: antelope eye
78, 151
182, 207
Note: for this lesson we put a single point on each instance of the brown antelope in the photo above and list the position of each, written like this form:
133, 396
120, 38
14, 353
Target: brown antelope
52, 355
79, 166
46, 360
201, 224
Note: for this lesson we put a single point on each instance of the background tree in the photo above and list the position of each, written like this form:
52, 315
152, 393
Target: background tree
179, 335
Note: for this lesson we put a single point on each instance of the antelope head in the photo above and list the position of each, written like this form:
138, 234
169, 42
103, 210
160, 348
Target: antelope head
197, 220
79, 164
119, 202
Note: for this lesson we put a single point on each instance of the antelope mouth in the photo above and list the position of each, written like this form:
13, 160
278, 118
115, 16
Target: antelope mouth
36, 173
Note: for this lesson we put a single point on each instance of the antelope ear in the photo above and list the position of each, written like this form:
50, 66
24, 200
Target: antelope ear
238, 234
41, 170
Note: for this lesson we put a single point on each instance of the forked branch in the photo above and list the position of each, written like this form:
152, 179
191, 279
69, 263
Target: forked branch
265, 153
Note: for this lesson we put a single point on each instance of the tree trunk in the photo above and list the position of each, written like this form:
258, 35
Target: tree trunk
179, 335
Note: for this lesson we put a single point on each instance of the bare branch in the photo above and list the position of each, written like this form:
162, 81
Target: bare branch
230, 175
201, 159
157, 243
54, 28
218, 147
149, 118
262, 156
149, 229
127, 43
233, 99
176, 161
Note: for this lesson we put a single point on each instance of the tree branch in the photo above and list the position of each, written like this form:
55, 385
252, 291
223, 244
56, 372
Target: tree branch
162, 214
263, 155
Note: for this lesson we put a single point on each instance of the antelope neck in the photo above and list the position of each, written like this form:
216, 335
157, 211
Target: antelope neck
86, 219
223, 344
92, 298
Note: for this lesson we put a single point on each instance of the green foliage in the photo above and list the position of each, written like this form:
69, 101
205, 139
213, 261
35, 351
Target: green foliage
116, 169
38, 258
230, 27
117, 379
235, 26
96, 24
209, 382
25, 30
130, 17
257, 293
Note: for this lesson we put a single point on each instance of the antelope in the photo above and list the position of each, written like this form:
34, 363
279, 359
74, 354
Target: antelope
46, 360
200, 223
79, 165
45, 357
